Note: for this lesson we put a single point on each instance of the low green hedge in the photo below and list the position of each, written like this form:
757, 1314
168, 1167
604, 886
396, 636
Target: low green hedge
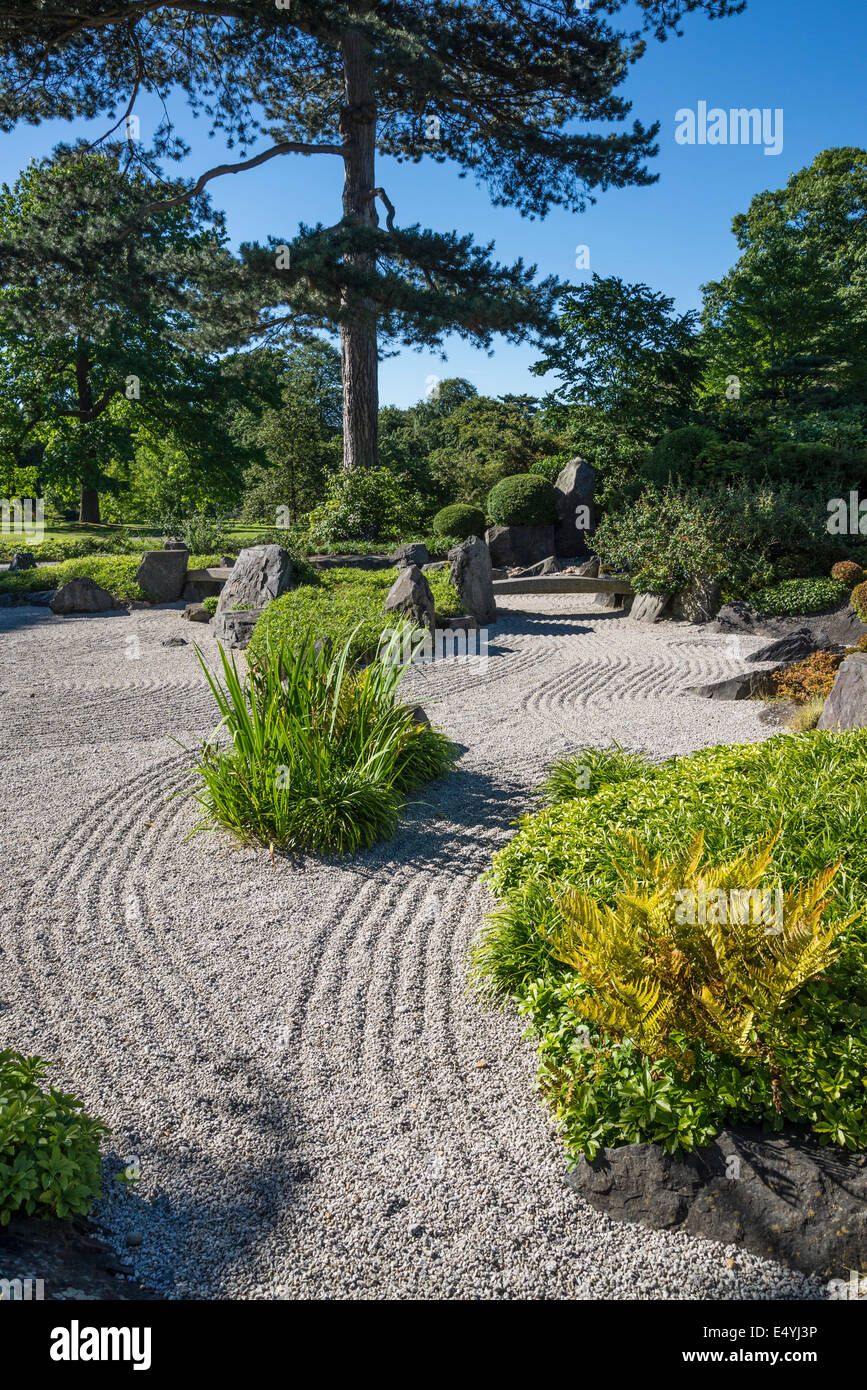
340, 601
799, 596
116, 573
813, 786
49, 1148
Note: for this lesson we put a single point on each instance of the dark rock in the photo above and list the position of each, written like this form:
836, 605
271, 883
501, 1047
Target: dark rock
355, 562
737, 616
589, 569
418, 715
548, 566
699, 603
69, 1258
39, 598
236, 627
174, 642
792, 648
574, 487
260, 574
227, 561
410, 594
410, 554
80, 596
176, 545
498, 572
196, 613
512, 546
162, 573
743, 685
197, 589
471, 575
433, 565
650, 608
782, 1196
846, 706
22, 560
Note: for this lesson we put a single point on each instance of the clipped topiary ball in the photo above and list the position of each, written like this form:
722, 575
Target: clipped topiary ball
847, 572
858, 601
522, 500
460, 520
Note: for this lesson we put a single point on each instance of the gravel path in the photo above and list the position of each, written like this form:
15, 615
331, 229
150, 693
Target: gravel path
287, 1050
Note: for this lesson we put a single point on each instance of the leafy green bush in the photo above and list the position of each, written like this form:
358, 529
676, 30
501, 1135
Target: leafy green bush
199, 533
320, 755
813, 788
668, 538
858, 600
677, 457
344, 603
799, 596
848, 573
585, 773
551, 466
365, 505
116, 573
49, 1148
210, 604
460, 520
524, 499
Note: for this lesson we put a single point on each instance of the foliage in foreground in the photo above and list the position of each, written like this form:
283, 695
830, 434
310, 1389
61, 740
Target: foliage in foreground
800, 596
320, 754
49, 1148
813, 788
343, 603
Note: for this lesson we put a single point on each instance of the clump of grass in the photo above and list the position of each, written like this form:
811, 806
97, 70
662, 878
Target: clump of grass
806, 716
586, 772
320, 756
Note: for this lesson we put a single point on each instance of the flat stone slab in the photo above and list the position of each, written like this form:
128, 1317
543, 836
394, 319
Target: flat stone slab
783, 1196
351, 562
562, 584
211, 575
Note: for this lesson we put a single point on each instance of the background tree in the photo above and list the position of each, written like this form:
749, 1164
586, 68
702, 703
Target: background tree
789, 319
353, 79
99, 334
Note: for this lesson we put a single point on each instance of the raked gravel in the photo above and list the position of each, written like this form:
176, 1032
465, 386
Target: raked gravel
286, 1050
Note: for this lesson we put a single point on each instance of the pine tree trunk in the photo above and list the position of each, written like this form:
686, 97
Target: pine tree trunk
88, 507
358, 335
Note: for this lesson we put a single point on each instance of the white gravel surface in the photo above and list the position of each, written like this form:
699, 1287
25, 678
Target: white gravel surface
287, 1050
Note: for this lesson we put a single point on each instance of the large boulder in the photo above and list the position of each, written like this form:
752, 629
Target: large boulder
260, 574
410, 554
700, 603
781, 1196
650, 608
81, 596
410, 595
574, 487
196, 613
846, 706
22, 560
791, 648
518, 546
237, 625
163, 573
471, 575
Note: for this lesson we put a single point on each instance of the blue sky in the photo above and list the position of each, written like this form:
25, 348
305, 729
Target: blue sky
804, 57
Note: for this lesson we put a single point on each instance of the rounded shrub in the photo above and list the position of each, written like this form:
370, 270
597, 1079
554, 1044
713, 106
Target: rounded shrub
525, 499
858, 601
848, 573
460, 520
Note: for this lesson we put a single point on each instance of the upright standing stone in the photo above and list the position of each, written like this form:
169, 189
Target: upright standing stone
411, 595
574, 487
163, 573
471, 576
260, 574
846, 706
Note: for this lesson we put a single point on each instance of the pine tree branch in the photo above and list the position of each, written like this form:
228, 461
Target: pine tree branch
381, 193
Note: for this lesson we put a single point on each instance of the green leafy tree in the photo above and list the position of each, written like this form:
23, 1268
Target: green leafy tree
351, 81
99, 335
787, 323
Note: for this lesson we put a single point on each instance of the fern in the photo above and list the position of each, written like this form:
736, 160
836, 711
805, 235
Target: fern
658, 975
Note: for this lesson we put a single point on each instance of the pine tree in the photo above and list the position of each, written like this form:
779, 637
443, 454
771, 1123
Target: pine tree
497, 87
